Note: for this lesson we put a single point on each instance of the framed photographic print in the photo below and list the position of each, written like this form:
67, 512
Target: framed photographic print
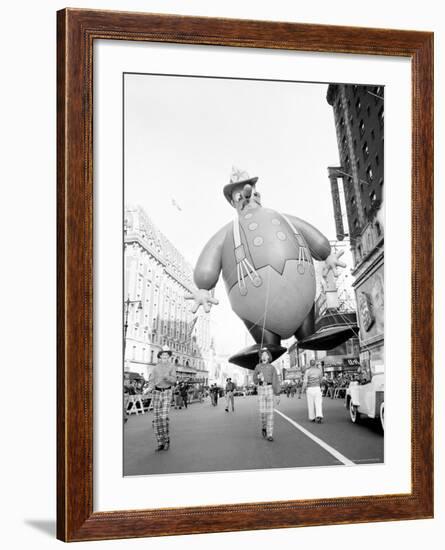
245, 227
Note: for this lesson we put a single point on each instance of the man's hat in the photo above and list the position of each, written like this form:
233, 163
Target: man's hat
165, 349
238, 177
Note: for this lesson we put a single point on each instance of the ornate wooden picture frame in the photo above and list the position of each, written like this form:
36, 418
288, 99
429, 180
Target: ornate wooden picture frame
77, 31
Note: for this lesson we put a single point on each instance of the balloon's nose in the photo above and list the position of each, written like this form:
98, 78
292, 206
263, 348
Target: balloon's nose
247, 191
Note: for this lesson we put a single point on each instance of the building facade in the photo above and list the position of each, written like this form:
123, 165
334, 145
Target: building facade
156, 280
342, 358
343, 298
335, 305
222, 369
359, 121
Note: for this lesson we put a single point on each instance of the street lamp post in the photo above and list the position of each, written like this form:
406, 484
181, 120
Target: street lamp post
298, 358
127, 305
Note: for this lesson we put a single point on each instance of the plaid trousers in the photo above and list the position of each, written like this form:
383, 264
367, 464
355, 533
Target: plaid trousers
266, 404
161, 408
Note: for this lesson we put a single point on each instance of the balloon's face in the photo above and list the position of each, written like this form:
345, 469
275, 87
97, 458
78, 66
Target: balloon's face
245, 198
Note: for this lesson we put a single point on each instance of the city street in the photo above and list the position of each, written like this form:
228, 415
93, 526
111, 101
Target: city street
206, 438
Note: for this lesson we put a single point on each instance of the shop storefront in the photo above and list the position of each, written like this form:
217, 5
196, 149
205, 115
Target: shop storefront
195, 380
350, 365
370, 301
292, 375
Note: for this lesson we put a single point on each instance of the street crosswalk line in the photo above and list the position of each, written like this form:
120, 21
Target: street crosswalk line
319, 441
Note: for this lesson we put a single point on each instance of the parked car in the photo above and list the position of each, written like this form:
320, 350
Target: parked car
367, 399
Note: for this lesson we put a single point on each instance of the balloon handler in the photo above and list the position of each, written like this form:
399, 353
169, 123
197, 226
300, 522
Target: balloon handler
266, 377
266, 260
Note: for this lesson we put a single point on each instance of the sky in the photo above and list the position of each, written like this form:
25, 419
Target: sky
184, 134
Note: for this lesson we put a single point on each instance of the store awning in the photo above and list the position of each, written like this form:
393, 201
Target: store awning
133, 375
186, 370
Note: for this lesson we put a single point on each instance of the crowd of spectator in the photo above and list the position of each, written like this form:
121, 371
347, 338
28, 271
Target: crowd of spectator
138, 395
331, 386
339, 383
293, 389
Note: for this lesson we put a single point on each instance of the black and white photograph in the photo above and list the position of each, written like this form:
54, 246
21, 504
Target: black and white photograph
253, 284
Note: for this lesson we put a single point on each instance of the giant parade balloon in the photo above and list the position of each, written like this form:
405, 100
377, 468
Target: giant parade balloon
266, 260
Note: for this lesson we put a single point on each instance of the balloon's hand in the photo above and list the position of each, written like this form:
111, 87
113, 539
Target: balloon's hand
332, 262
202, 298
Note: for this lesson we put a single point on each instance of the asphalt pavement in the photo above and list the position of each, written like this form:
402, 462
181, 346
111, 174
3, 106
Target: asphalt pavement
206, 438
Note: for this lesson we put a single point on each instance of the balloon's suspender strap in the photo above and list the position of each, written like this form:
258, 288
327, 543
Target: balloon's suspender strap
303, 252
243, 266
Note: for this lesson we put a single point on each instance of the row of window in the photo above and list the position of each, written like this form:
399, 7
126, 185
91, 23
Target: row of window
173, 323
155, 238
358, 105
365, 152
372, 199
174, 305
364, 146
362, 125
369, 171
172, 327
369, 241
175, 262
376, 92
145, 358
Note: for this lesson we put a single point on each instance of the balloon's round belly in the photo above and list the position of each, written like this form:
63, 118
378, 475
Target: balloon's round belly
281, 303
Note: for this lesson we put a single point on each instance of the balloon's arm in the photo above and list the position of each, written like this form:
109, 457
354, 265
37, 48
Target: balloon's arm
318, 244
209, 264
